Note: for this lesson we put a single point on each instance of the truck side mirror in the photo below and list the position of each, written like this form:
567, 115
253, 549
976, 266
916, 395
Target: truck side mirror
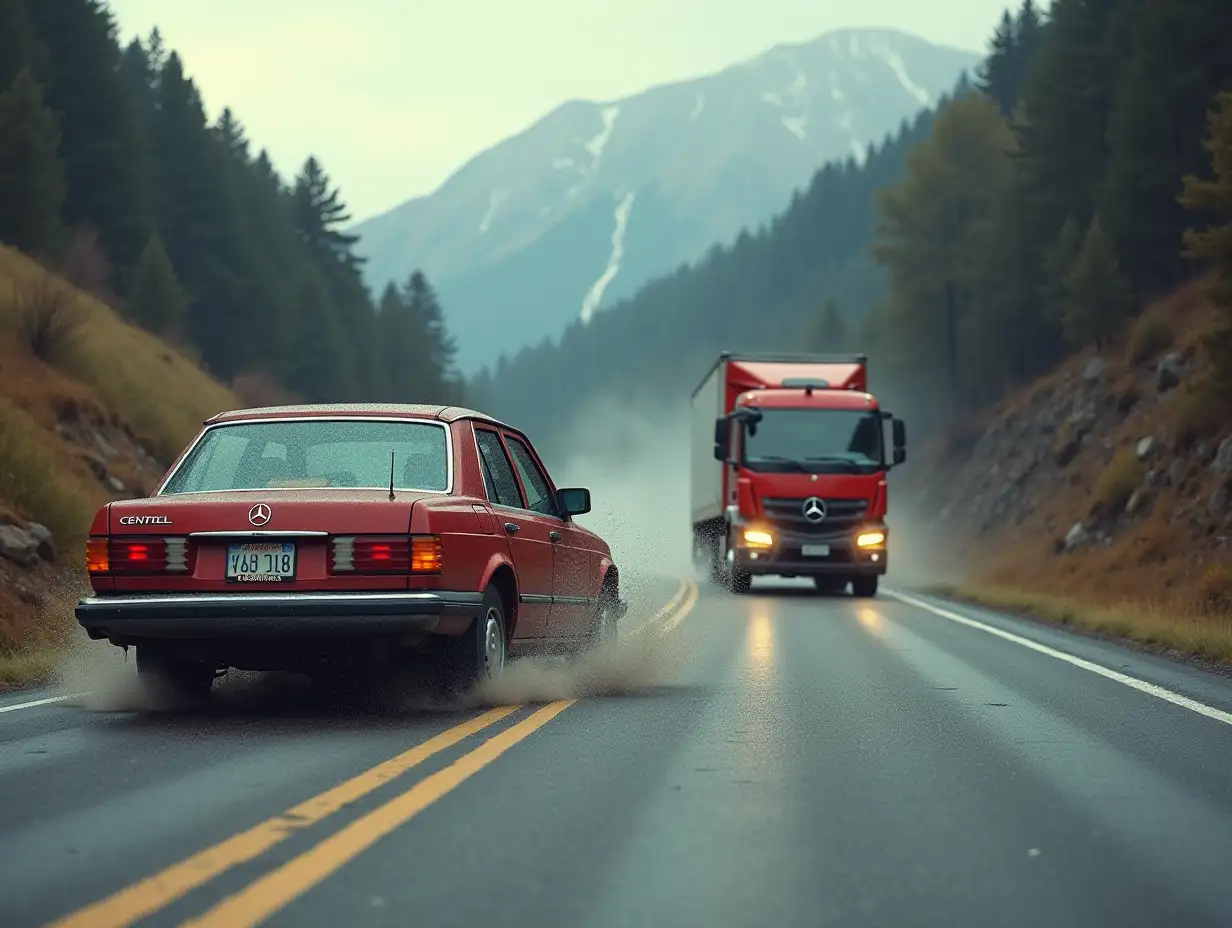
900, 441
722, 438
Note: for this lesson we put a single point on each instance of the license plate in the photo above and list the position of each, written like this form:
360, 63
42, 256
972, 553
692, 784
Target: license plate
261, 562
815, 550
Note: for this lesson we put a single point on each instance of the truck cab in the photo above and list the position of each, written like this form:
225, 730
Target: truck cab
803, 457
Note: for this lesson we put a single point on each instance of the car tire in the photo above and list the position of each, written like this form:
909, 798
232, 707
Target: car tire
479, 654
864, 587
170, 683
606, 629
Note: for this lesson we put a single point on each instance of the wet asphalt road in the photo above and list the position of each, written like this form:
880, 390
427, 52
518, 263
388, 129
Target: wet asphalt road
776, 759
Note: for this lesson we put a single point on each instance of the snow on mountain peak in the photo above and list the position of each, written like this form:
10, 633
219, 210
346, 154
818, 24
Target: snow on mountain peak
540, 224
594, 296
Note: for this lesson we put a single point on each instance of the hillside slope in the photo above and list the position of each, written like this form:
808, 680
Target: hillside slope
1107, 483
594, 199
100, 419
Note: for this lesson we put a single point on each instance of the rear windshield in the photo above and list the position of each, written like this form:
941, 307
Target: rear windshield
315, 453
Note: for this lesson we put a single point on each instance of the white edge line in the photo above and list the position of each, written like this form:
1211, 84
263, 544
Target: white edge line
1132, 682
40, 702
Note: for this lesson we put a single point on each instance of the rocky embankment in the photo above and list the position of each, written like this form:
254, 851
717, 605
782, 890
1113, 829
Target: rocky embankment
36, 566
1109, 479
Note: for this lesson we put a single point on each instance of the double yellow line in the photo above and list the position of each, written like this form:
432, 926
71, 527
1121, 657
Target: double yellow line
272, 892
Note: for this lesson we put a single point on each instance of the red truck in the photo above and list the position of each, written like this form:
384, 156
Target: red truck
788, 471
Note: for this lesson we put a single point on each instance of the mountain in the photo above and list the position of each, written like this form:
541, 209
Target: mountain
595, 199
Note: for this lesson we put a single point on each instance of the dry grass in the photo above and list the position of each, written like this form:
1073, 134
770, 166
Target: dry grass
67, 354
1151, 334
1195, 412
1116, 482
160, 393
1189, 633
1161, 576
35, 482
28, 667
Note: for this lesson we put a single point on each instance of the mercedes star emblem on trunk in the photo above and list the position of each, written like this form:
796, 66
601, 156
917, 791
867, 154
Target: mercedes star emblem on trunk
259, 514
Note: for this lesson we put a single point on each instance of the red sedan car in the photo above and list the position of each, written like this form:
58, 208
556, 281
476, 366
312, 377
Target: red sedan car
316, 539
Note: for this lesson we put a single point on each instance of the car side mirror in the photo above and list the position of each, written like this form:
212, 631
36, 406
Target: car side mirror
900, 441
722, 438
574, 501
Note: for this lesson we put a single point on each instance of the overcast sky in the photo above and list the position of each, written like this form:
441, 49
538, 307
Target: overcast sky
394, 95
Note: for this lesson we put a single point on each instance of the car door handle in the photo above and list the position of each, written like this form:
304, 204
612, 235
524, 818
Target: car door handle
554, 535
512, 528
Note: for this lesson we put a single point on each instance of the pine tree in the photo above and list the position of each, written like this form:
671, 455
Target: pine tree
1212, 245
831, 333
20, 49
320, 214
931, 228
31, 175
319, 370
1062, 142
1059, 261
1098, 299
998, 77
424, 307
101, 145
1176, 59
157, 302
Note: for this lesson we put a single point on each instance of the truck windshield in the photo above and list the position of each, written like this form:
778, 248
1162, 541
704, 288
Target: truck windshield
814, 441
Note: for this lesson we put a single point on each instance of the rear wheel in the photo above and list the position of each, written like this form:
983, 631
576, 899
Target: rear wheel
864, 587
478, 654
172, 683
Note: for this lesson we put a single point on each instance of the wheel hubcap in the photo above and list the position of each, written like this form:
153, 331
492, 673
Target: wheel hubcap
493, 645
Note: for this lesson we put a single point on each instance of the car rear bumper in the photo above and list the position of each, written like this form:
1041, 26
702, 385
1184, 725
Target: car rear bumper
276, 615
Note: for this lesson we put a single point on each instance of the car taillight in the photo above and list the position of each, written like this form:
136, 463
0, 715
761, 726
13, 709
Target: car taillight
386, 554
98, 555
136, 555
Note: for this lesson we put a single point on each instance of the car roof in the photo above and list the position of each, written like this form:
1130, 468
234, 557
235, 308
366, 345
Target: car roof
328, 410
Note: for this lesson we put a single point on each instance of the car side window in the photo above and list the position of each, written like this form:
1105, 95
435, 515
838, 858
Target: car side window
499, 472
537, 488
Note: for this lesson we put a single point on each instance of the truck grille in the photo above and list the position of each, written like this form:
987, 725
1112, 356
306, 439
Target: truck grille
840, 514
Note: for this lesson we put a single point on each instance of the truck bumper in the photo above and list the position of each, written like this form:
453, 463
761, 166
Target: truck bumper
225, 616
787, 557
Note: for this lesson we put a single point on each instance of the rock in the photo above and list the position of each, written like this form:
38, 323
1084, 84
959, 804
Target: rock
1075, 536
1137, 500
1223, 457
46, 544
1177, 471
1146, 447
1218, 502
18, 545
97, 465
1168, 375
1095, 369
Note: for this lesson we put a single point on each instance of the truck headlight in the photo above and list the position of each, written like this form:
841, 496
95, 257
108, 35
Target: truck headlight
758, 538
870, 539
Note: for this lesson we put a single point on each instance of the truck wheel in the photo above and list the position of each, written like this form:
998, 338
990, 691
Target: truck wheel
171, 683
478, 654
738, 581
864, 587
